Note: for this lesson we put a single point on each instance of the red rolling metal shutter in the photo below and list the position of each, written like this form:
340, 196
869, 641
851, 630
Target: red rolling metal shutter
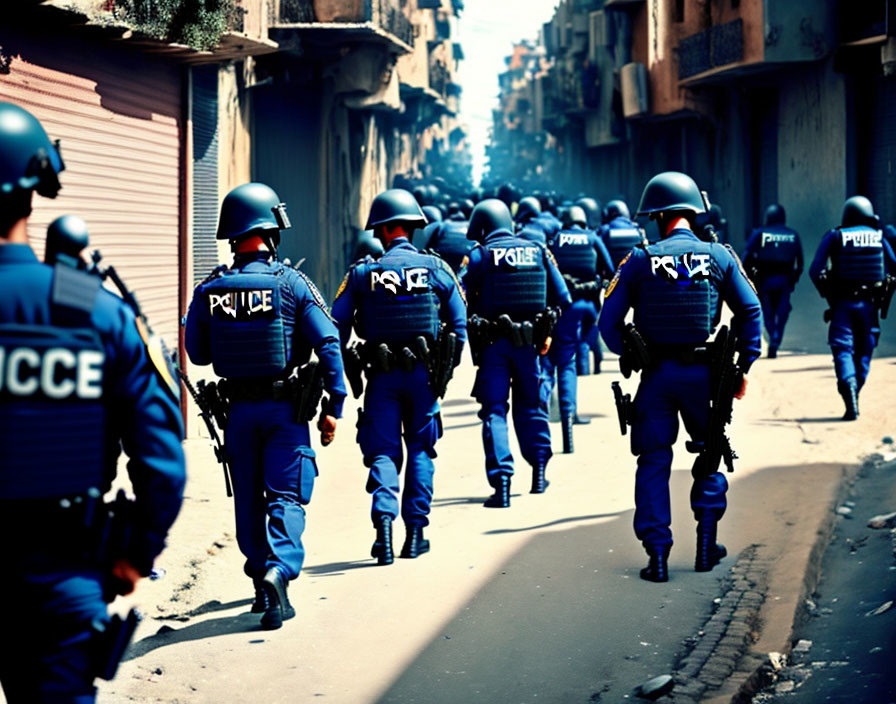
118, 116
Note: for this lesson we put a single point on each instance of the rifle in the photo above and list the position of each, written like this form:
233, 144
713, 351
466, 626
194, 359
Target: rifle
725, 379
441, 361
310, 384
211, 408
623, 407
354, 368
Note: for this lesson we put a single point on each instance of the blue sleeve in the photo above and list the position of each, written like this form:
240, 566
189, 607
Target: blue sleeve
739, 294
799, 258
344, 305
889, 258
472, 276
453, 308
820, 261
196, 336
558, 293
604, 260
319, 330
752, 246
617, 301
146, 416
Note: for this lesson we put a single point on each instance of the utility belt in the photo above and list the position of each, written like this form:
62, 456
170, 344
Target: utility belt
385, 357
765, 270
638, 354
304, 389
684, 354
859, 291
484, 332
583, 290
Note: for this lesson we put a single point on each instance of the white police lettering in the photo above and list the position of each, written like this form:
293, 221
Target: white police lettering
516, 256
414, 279
689, 266
245, 302
573, 238
774, 238
58, 373
862, 238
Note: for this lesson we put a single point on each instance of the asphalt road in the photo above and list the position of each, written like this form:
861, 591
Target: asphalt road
538, 602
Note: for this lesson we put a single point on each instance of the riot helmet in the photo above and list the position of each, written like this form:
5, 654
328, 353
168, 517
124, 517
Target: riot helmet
775, 215
67, 237
454, 209
421, 195
591, 208
466, 207
29, 161
367, 245
858, 210
528, 208
671, 191
575, 215
615, 209
253, 208
507, 193
432, 213
488, 216
476, 195
395, 206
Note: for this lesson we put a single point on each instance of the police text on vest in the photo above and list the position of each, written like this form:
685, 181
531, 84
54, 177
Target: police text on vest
56, 372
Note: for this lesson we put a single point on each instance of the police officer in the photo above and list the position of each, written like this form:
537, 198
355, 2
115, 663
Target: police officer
583, 260
592, 210
255, 323
78, 384
449, 240
398, 305
510, 283
528, 224
618, 231
676, 288
850, 269
774, 258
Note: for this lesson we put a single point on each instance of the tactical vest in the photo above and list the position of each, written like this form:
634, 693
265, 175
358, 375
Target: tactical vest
621, 240
860, 257
778, 250
399, 303
452, 243
514, 281
678, 302
575, 254
52, 381
248, 337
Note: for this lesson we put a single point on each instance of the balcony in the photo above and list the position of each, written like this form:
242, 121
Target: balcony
869, 22
334, 23
717, 46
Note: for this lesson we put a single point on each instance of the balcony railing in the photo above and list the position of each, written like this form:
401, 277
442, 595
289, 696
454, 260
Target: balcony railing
717, 46
383, 14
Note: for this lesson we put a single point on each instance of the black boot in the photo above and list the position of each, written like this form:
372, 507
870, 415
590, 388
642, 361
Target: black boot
709, 552
382, 547
414, 543
772, 351
279, 609
566, 424
850, 393
501, 497
657, 570
596, 367
260, 605
539, 483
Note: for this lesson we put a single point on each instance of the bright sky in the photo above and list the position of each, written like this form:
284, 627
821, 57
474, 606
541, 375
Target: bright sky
487, 30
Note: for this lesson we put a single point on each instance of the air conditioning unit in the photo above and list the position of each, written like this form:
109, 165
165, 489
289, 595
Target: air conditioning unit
633, 80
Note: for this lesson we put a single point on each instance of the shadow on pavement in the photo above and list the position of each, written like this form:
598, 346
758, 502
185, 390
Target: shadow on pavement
825, 368
333, 569
561, 521
226, 625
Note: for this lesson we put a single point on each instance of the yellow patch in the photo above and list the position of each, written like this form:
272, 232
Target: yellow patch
615, 279
342, 287
159, 357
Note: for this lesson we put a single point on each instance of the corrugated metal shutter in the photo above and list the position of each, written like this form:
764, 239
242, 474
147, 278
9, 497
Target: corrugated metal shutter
205, 170
117, 114
881, 174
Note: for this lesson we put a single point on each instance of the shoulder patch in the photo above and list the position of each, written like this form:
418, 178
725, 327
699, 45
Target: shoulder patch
740, 266
550, 256
615, 278
159, 357
344, 284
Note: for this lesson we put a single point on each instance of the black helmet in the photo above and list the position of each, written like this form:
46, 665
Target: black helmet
528, 208
507, 193
615, 209
367, 245
476, 195
575, 215
421, 195
432, 213
454, 209
488, 216
591, 208
858, 210
466, 207
29, 161
67, 237
775, 215
250, 207
395, 205
670, 191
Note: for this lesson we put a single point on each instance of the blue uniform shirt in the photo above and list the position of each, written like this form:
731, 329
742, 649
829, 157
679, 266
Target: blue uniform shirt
575, 239
140, 411
678, 256
353, 303
774, 249
831, 248
620, 235
500, 249
306, 323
